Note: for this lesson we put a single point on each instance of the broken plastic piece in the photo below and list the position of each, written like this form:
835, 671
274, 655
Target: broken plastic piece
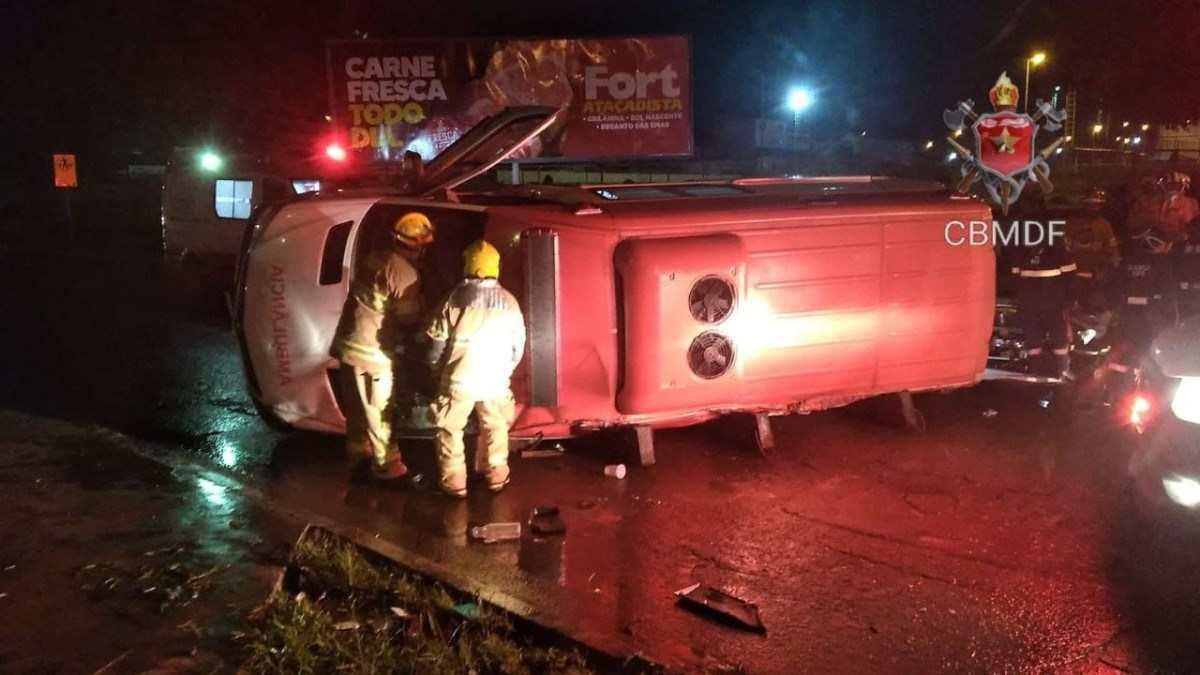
346, 625
536, 450
400, 612
468, 610
990, 413
546, 520
494, 532
721, 606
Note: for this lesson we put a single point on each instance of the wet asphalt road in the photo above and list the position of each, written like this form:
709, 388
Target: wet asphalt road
1002, 544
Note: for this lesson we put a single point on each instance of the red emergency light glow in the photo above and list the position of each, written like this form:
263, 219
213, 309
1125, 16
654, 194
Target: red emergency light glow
1139, 412
335, 152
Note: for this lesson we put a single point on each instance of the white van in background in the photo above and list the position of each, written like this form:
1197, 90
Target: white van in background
205, 207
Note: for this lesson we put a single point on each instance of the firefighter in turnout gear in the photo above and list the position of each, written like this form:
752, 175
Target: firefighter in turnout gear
382, 309
477, 339
1145, 295
1179, 209
1187, 272
1043, 274
1091, 240
1181, 224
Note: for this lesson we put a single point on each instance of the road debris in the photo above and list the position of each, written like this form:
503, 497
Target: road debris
467, 610
165, 579
1046, 400
546, 520
371, 615
491, 533
990, 413
615, 471
721, 606
536, 450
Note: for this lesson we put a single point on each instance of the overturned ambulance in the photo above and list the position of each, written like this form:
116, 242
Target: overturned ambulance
648, 306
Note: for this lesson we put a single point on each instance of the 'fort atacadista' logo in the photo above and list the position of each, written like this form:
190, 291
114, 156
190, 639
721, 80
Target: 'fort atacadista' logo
1005, 155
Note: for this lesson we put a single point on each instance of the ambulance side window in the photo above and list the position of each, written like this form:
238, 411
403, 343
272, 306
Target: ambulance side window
441, 266
372, 232
334, 253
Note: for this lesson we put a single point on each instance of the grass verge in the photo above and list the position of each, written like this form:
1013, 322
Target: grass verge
339, 608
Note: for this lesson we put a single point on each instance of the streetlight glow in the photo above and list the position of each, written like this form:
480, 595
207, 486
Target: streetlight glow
1038, 59
210, 161
799, 99
1097, 128
1145, 127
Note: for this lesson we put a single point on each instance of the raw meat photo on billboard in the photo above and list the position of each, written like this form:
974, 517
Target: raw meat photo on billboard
625, 97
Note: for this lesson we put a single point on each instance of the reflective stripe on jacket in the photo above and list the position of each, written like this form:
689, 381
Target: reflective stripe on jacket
384, 301
478, 337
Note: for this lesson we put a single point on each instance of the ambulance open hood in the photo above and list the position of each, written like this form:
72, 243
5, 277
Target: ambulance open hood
485, 145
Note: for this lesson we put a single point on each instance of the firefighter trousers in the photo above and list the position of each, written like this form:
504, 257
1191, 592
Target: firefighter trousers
450, 412
1044, 322
367, 405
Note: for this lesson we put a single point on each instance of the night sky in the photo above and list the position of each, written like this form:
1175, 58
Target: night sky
98, 77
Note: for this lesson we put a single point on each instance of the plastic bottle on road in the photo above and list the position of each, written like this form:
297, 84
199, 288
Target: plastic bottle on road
493, 532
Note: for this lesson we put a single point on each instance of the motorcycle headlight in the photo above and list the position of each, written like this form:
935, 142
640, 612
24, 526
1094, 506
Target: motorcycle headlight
1182, 490
1186, 401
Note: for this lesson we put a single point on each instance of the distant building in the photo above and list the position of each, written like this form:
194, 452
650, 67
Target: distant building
1178, 142
764, 138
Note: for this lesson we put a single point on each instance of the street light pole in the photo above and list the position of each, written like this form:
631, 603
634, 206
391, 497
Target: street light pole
1028, 61
1036, 60
798, 100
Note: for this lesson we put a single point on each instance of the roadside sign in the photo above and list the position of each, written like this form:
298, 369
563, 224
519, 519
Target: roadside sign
623, 96
64, 171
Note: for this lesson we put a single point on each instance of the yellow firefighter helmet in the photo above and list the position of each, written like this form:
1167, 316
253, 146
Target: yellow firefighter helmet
481, 260
413, 230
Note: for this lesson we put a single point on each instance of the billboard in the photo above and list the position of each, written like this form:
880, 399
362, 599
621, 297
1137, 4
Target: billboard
625, 97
